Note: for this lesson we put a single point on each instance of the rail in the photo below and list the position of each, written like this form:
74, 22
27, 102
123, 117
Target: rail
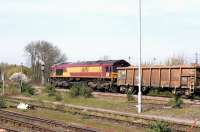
40, 124
120, 117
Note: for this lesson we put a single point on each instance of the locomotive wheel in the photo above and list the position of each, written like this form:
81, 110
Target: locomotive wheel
92, 85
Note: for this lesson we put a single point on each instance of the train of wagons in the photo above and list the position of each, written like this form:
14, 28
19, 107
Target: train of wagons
119, 76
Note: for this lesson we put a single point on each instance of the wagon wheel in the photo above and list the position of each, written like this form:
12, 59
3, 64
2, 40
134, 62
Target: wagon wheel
135, 90
122, 89
145, 90
188, 95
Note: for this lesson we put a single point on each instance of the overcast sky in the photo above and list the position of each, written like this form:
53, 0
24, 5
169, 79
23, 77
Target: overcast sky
90, 29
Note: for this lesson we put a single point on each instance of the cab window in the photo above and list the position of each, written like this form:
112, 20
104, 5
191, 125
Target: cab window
107, 69
59, 72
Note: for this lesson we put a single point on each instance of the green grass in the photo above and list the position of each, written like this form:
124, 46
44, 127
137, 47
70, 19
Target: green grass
112, 103
157, 92
121, 104
186, 113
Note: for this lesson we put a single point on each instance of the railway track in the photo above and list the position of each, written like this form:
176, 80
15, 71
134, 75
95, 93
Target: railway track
128, 119
6, 129
29, 123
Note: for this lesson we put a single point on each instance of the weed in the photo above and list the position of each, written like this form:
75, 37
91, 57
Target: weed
177, 101
159, 127
58, 97
2, 102
51, 90
129, 95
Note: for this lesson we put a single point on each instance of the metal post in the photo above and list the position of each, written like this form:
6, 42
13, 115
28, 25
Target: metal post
21, 78
42, 73
3, 85
196, 58
21, 67
140, 59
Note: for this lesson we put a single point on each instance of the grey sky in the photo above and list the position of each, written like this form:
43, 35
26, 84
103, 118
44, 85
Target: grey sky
90, 29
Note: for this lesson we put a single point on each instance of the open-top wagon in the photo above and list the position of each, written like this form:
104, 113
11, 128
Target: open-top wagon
184, 79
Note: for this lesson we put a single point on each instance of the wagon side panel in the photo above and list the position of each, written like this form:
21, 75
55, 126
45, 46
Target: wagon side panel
175, 78
155, 80
146, 77
165, 77
130, 77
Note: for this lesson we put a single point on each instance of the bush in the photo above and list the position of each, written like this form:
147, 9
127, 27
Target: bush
159, 127
2, 102
85, 91
51, 90
80, 90
59, 97
177, 101
27, 89
74, 91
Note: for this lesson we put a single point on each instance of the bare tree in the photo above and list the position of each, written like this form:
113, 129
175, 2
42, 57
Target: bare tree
43, 52
176, 60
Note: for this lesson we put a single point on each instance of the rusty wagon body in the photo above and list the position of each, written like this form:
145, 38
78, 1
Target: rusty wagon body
177, 78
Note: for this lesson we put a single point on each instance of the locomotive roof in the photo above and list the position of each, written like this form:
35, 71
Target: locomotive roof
99, 62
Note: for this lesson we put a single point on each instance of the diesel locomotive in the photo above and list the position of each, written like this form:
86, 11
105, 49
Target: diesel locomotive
96, 74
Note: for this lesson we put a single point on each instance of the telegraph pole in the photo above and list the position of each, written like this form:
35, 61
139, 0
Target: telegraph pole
140, 60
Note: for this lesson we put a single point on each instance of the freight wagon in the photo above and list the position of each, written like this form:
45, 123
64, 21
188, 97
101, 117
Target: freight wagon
184, 79
97, 74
